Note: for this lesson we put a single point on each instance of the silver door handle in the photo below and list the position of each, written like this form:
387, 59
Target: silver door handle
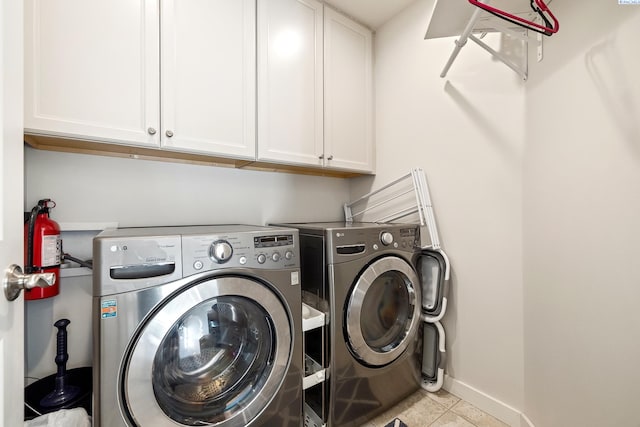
14, 281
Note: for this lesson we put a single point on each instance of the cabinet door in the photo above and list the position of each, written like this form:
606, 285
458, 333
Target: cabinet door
208, 76
92, 69
290, 84
348, 103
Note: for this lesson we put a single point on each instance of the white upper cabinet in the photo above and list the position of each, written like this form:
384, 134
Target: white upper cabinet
314, 87
209, 76
290, 98
286, 82
348, 103
91, 69
93, 72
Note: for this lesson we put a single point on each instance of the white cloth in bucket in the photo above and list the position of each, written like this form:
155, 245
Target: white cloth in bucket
76, 417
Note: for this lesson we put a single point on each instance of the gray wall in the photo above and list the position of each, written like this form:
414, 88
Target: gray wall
581, 221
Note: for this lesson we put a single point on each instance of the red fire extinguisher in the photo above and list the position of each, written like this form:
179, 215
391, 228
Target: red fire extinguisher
43, 248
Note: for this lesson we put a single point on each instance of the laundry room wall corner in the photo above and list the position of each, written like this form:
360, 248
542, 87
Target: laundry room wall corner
584, 176
466, 133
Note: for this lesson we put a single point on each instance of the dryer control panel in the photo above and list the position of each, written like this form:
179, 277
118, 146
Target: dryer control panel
263, 250
349, 243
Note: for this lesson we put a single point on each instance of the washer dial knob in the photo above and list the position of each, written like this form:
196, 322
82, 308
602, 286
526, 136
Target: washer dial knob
288, 255
220, 251
262, 258
275, 257
386, 238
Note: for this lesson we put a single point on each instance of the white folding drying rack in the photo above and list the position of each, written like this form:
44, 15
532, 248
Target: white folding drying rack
396, 191
412, 190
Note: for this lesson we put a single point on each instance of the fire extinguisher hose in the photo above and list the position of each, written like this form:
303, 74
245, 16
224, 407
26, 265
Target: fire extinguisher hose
87, 264
32, 223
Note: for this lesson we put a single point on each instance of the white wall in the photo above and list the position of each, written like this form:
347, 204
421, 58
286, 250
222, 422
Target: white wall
581, 221
146, 193
466, 132
94, 189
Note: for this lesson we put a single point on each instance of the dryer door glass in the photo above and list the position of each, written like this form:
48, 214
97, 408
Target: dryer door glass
383, 311
215, 354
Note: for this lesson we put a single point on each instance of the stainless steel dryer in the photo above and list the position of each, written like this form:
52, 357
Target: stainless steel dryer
374, 295
197, 326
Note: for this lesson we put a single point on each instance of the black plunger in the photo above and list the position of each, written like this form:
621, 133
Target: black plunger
63, 392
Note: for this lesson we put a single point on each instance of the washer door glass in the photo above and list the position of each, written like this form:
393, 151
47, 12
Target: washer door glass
383, 311
211, 355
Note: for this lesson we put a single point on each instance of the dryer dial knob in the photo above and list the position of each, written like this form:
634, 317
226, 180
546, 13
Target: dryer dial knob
386, 238
262, 258
220, 251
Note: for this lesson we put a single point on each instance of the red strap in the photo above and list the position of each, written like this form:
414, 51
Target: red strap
525, 22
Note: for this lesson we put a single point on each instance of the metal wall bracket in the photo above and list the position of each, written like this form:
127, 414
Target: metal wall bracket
540, 52
481, 22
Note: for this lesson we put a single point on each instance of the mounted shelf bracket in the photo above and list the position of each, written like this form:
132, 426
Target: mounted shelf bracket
486, 19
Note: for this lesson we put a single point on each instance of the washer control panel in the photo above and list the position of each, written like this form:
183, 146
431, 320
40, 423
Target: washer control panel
220, 251
257, 249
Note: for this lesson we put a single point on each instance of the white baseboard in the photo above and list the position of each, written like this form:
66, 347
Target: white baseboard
486, 403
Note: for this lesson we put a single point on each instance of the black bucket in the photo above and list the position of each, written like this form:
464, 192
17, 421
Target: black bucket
34, 393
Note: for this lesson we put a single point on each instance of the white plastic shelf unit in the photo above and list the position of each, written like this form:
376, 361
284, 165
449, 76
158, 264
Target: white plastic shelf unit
314, 372
460, 18
315, 369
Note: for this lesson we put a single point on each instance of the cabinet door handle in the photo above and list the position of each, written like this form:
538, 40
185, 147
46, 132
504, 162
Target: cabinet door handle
169, 134
151, 131
321, 156
330, 157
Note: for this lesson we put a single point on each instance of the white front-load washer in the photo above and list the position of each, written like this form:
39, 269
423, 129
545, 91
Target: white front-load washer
197, 326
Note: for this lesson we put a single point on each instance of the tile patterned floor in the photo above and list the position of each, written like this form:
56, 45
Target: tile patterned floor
441, 409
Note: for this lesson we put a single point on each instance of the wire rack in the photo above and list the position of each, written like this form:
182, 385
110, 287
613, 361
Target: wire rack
411, 193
